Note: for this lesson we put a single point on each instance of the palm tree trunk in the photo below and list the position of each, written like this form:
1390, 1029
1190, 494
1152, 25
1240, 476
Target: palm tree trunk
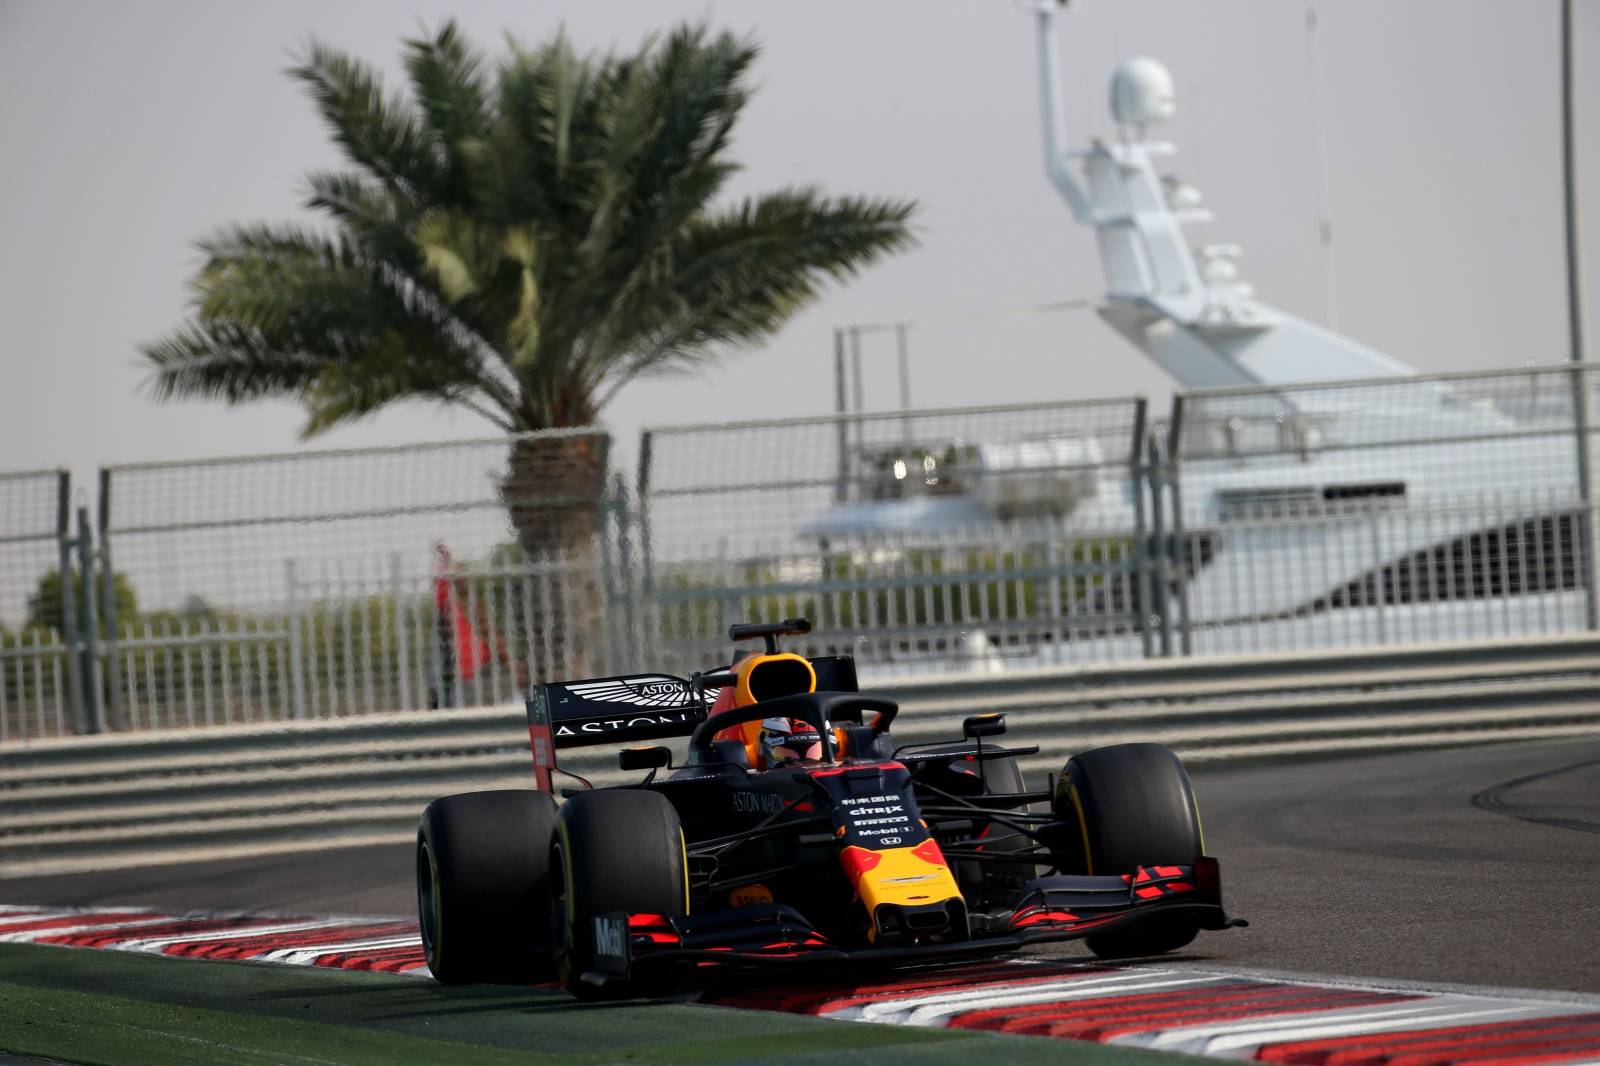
552, 492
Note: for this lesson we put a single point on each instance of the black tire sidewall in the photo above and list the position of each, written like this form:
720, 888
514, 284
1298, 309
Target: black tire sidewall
486, 855
618, 850
1134, 806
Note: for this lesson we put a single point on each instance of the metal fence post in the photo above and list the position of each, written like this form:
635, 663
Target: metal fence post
1180, 546
609, 532
297, 677
402, 631
644, 509
1055, 606
625, 582
109, 611
1575, 326
1162, 600
903, 360
858, 401
91, 651
1581, 421
841, 404
1138, 459
70, 635
1379, 584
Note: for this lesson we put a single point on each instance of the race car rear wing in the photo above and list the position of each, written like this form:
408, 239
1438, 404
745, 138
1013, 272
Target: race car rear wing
634, 707
609, 710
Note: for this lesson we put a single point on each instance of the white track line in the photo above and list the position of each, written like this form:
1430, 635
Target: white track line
40, 916
26, 935
301, 956
160, 943
936, 1009
1239, 1039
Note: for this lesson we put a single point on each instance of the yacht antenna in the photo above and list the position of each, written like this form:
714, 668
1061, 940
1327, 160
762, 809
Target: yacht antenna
1055, 139
1324, 183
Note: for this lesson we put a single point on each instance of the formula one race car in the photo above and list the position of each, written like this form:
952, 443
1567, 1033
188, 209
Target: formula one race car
795, 834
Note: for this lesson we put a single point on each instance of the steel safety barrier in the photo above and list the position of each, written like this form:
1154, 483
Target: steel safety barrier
163, 797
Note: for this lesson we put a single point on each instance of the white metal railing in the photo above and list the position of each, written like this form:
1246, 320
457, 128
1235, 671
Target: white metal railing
34, 697
1045, 592
353, 640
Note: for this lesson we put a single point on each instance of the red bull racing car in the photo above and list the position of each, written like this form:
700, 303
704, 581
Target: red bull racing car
796, 833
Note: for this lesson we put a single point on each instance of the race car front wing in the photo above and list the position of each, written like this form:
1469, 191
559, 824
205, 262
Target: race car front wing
649, 947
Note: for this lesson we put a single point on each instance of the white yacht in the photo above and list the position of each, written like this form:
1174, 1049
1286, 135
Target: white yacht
1315, 477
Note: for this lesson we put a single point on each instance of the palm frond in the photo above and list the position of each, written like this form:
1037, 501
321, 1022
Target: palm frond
448, 80
657, 127
384, 372
378, 131
224, 361
458, 250
318, 311
734, 278
379, 217
297, 288
543, 95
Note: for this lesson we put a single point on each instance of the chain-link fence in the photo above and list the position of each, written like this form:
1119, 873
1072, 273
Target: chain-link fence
1414, 509
781, 484
1038, 594
944, 539
342, 582
988, 538
36, 673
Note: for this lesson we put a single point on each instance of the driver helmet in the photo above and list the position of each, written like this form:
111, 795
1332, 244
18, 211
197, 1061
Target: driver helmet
786, 740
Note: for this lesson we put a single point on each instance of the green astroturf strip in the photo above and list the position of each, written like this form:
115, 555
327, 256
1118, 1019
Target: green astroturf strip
128, 1010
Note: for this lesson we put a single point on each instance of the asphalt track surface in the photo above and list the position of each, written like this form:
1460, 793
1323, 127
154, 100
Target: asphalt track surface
1474, 866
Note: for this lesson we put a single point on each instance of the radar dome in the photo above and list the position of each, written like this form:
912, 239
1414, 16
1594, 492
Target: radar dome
1181, 195
1141, 92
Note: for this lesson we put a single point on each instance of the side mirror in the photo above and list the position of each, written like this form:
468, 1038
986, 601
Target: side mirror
859, 741
984, 725
654, 757
717, 679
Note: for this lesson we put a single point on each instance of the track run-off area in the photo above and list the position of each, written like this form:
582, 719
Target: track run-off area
1407, 908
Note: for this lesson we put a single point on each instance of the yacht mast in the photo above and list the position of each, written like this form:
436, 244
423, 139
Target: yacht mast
1186, 309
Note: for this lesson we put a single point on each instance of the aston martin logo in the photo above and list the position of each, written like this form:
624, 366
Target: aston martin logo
646, 690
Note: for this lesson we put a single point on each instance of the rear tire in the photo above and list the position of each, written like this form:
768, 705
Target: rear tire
1134, 806
614, 850
483, 891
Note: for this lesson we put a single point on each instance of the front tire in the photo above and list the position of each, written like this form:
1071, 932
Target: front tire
483, 889
1134, 806
614, 850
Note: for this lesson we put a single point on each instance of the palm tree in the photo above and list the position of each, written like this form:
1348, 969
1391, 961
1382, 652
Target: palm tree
520, 242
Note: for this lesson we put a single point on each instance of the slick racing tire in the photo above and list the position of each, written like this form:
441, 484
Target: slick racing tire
1134, 806
614, 850
483, 891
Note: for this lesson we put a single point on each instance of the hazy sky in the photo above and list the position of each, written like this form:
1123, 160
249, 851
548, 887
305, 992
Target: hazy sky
129, 129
